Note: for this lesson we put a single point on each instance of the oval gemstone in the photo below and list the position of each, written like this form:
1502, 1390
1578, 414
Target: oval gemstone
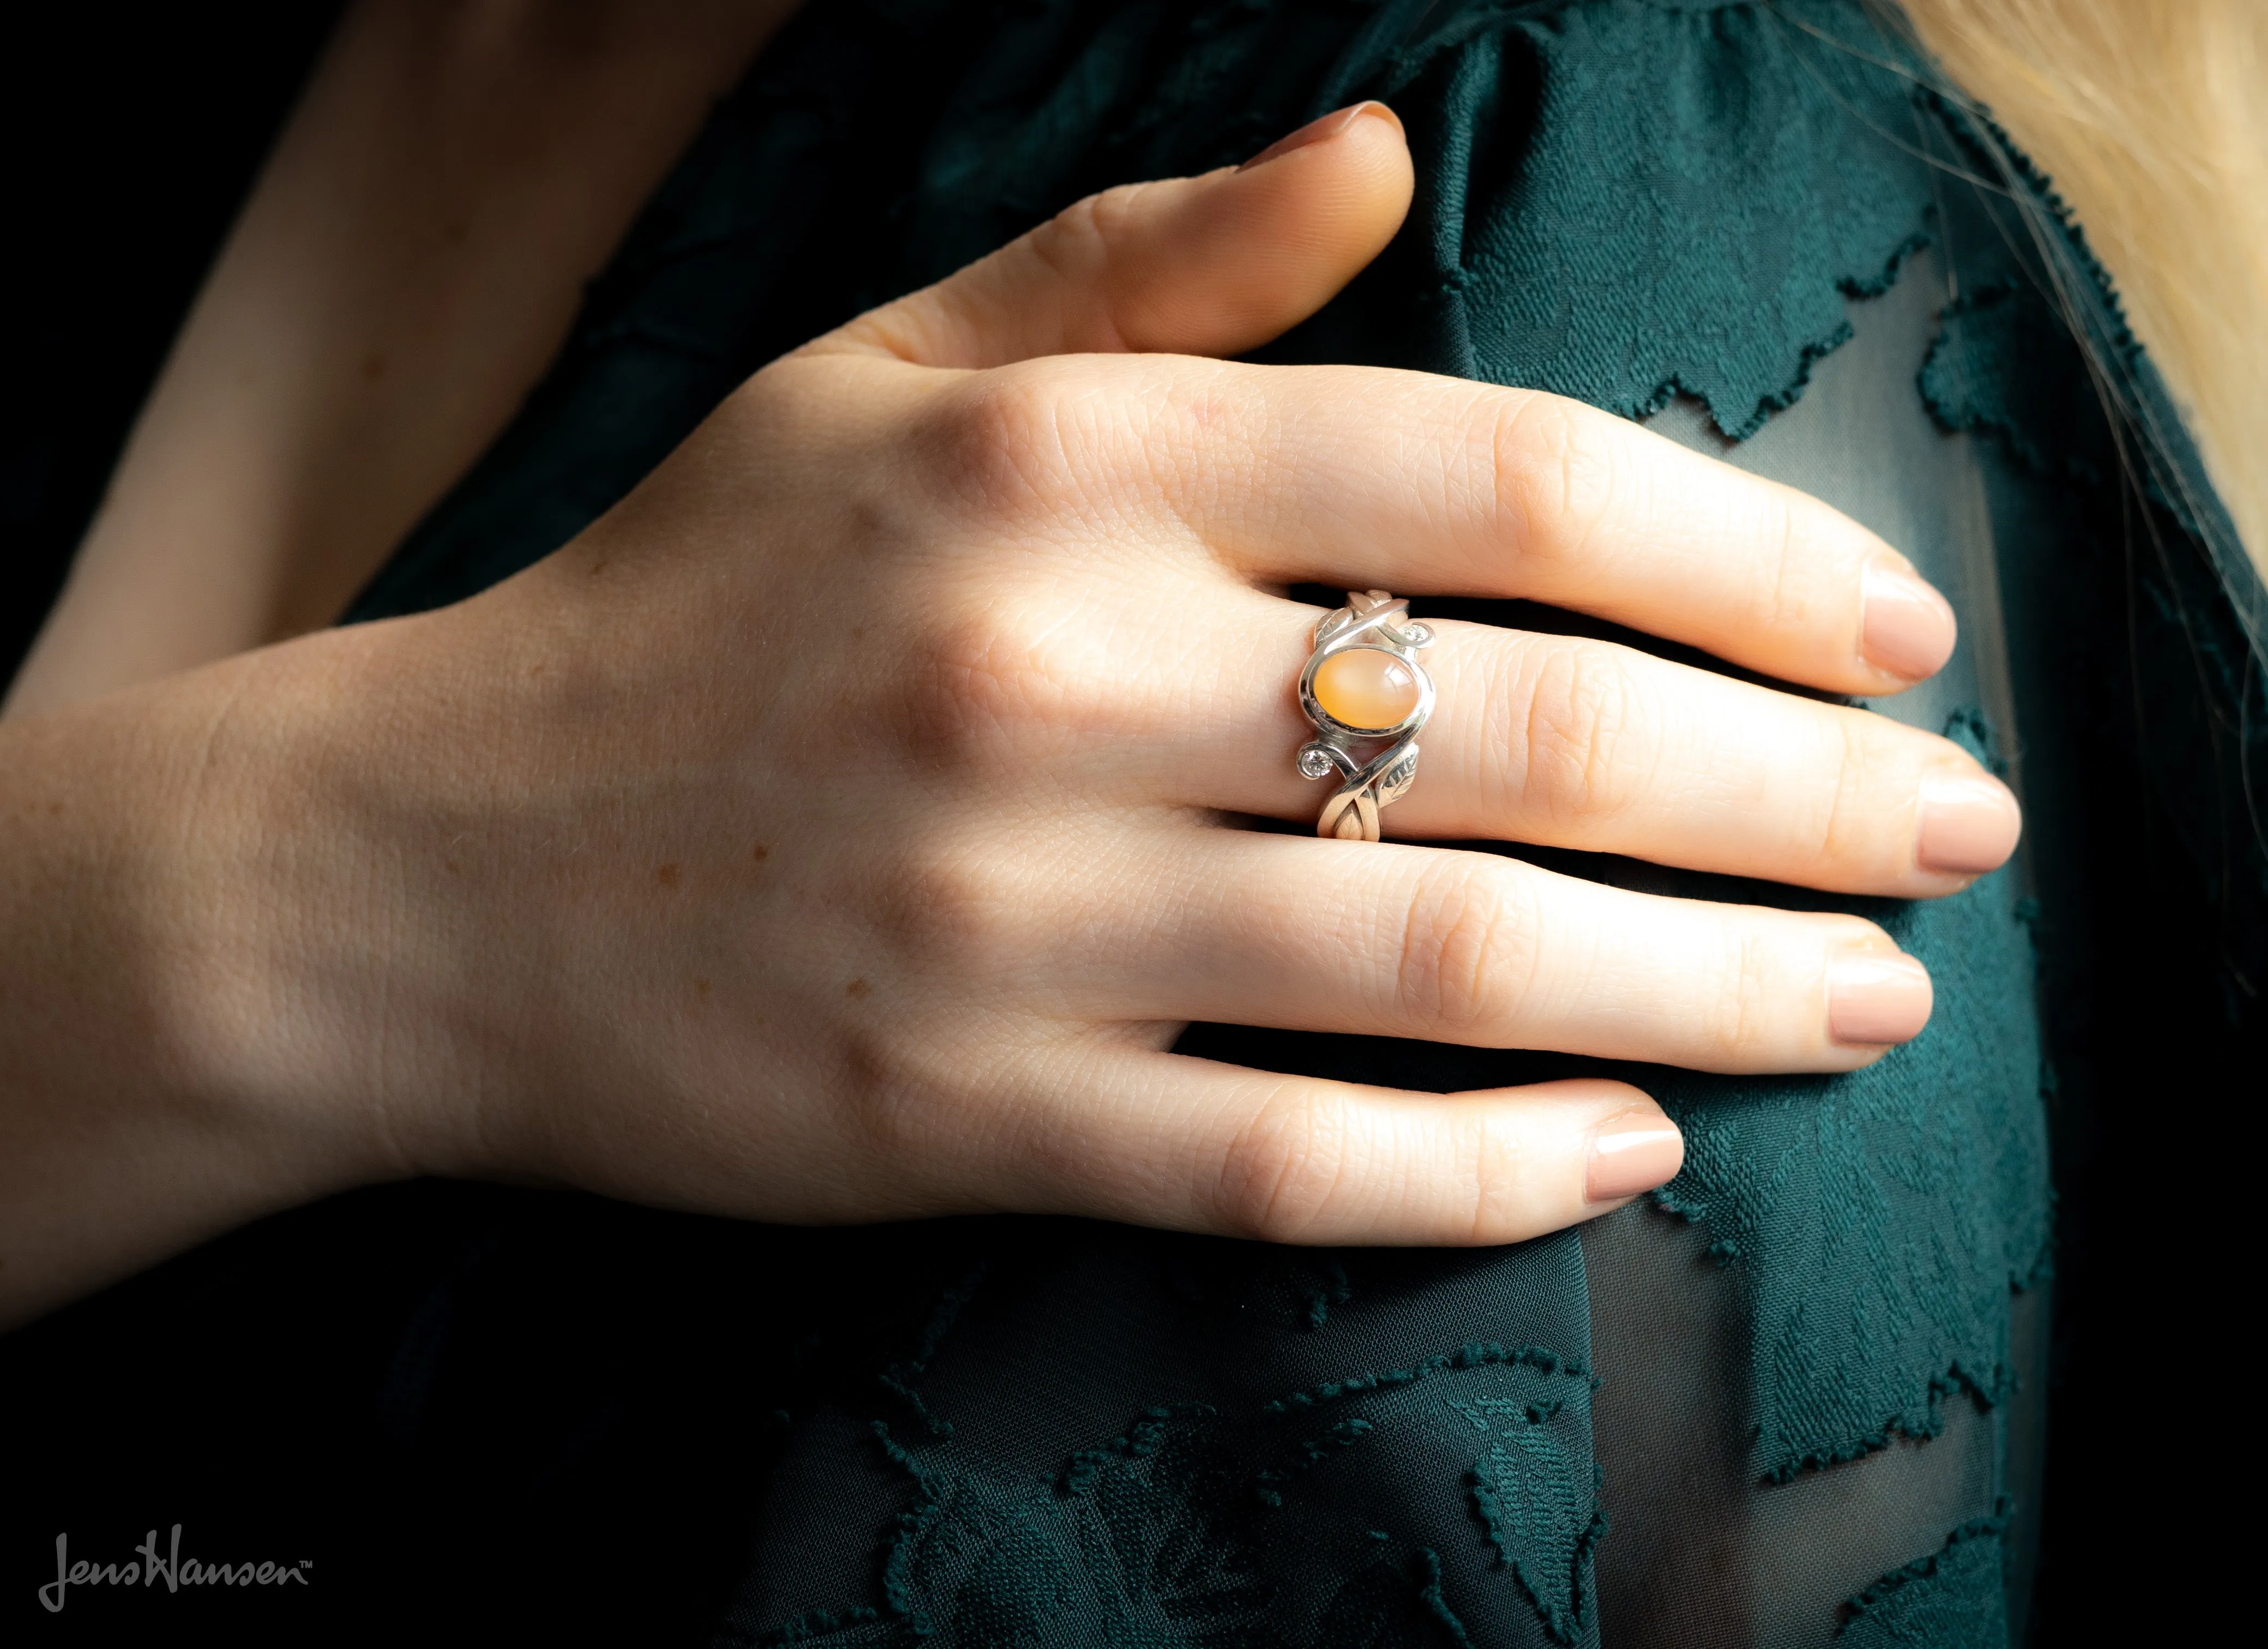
1366, 686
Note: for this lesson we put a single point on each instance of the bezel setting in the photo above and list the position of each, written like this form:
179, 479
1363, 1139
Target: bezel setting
1374, 620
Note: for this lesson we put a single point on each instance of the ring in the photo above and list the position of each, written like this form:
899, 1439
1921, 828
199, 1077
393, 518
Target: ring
1364, 686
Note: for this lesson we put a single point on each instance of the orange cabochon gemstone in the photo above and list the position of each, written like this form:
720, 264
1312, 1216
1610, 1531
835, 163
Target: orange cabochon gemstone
1365, 687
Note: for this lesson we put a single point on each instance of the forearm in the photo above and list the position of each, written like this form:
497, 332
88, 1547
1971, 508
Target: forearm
409, 260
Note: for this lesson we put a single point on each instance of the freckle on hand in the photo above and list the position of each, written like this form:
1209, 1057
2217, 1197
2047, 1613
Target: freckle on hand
855, 988
667, 875
762, 853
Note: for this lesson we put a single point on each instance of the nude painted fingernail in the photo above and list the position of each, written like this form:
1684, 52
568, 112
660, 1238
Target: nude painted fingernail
1906, 628
1969, 825
1321, 130
1875, 1000
1633, 1153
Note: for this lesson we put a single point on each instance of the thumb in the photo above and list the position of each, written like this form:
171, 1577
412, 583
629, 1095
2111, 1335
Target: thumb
1211, 265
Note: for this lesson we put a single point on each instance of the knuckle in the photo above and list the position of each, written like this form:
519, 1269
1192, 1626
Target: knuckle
1287, 1167
899, 1086
996, 443
1847, 827
983, 684
888, 1113
921, 1083
955, 907
1583, 750
1799, 580
1467, 954
924, 1132
1106, 215
1493, 1174
1788, 574
1557, 476
1076, 244
1858, 933
1741, 1027
1053, 450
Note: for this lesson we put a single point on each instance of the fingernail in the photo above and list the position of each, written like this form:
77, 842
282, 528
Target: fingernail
1321, 130
1874, 1000
1969, 825
1905, 627
1633, 1153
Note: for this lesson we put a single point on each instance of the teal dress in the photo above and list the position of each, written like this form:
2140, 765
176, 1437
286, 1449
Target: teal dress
1801, 1394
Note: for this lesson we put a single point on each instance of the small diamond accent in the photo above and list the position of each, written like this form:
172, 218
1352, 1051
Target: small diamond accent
1314, 763
1419, 634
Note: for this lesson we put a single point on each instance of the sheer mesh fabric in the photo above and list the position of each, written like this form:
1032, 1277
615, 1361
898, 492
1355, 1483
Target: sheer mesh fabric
1704, 1551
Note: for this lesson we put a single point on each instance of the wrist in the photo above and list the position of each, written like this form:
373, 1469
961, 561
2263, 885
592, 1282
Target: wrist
275, 931
164, 1075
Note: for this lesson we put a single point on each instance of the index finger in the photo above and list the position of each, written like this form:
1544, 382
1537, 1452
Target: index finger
1366, 476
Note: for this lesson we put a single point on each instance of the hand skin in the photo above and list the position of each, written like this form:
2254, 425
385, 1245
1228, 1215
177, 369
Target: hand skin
835, 830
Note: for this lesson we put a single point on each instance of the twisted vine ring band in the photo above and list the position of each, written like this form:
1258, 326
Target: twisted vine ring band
1363, 688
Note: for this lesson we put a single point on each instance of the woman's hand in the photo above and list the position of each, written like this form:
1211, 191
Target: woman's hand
841, 829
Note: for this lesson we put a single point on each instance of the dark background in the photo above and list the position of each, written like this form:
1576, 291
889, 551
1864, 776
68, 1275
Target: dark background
131, 136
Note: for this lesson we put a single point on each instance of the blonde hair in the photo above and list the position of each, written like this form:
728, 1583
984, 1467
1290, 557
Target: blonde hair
2151, 117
